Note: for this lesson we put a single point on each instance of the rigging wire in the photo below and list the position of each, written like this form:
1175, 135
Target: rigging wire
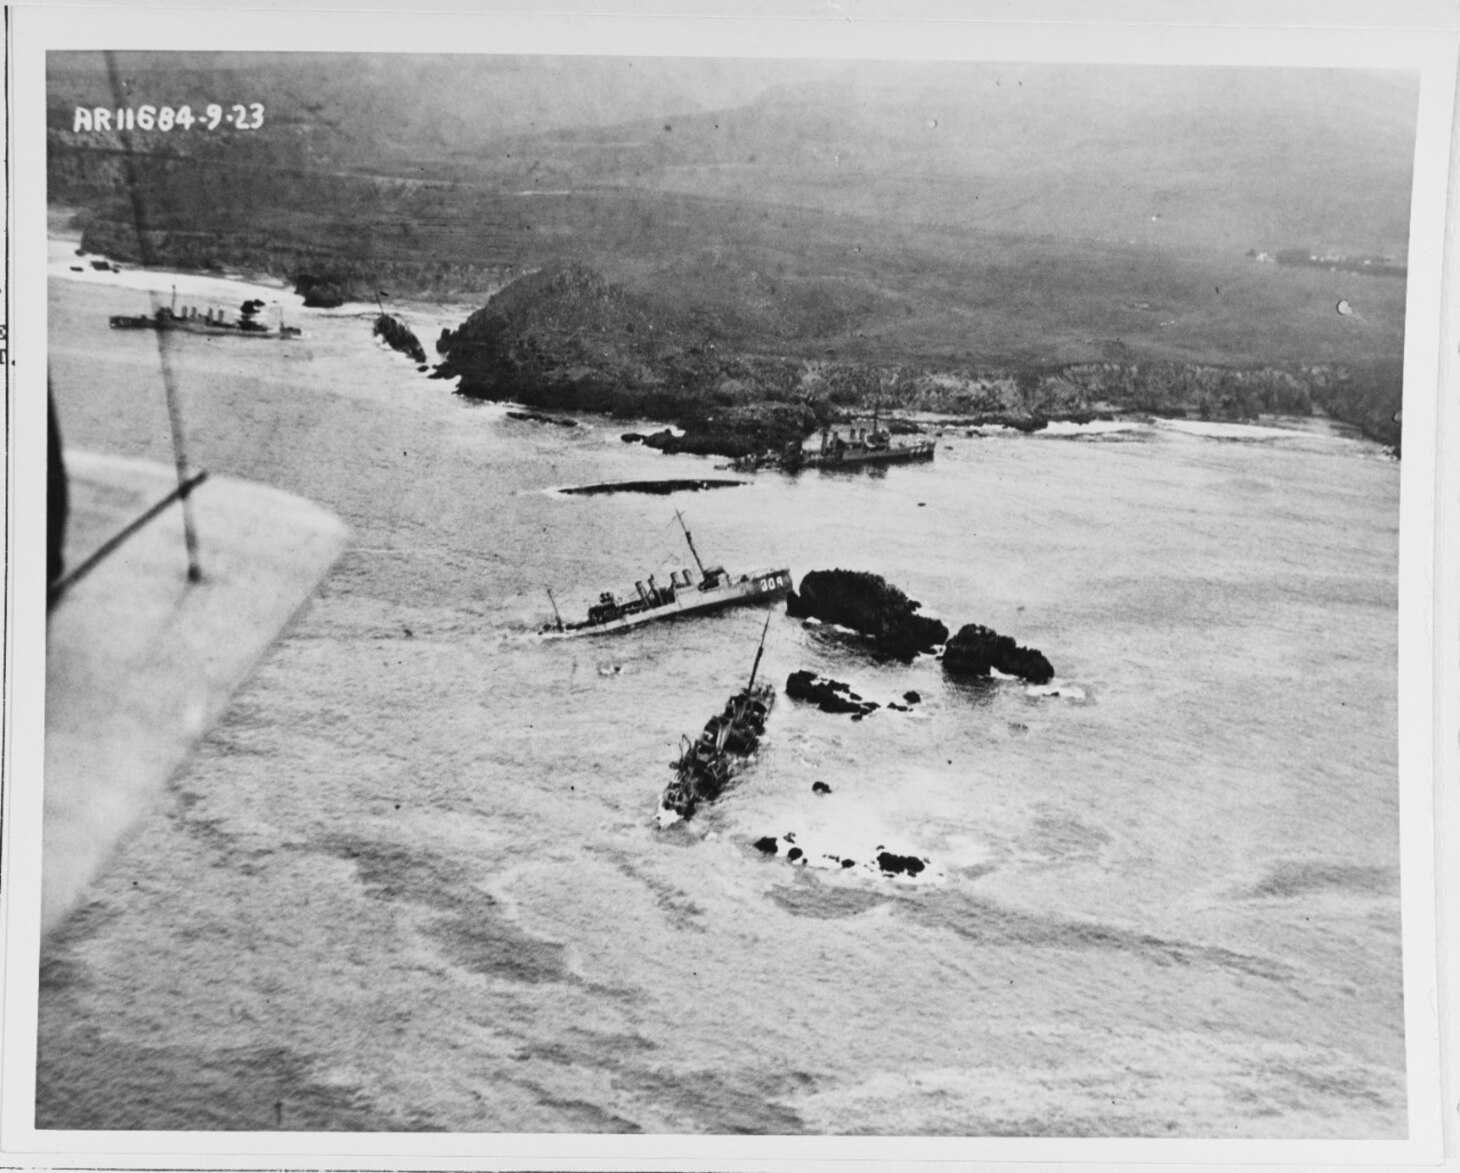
169, 382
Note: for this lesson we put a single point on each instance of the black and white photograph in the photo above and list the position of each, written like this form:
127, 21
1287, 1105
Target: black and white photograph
749, 582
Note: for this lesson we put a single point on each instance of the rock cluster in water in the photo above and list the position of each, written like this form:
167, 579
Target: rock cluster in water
867, 603
979, 651
881, 862
836, 696
399, 336
830, 696
660, 488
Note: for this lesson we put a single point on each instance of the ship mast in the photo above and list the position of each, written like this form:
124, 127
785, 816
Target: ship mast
691, 542
754, 668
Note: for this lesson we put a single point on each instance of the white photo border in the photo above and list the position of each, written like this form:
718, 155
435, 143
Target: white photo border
1427, 647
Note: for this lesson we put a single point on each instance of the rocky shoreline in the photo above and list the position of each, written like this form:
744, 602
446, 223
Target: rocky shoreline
563, 338
566, 339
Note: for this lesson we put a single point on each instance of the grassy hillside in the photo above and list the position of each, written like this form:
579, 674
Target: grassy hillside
954, 213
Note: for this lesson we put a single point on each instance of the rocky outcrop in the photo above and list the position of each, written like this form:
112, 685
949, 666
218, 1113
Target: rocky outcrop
978, 651
564, 338
741, 431
537, 417
319, 292
693, 338
875, 861
869, 604
400, 337
894, 864
658, 488
830, 696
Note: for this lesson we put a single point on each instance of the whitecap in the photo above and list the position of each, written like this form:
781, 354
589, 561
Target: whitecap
1059, 688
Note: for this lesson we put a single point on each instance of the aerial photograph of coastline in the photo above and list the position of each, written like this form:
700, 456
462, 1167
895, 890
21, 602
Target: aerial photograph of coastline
723, 595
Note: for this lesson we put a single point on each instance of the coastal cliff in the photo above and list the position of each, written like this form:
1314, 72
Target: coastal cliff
936, 266
566, 338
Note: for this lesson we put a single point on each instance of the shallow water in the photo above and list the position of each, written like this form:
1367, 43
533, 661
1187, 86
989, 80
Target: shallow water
412, 880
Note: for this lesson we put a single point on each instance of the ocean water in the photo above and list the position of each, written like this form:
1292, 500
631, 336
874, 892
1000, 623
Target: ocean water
412, 879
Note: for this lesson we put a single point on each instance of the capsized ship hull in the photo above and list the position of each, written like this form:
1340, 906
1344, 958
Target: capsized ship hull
658, 603
651, 602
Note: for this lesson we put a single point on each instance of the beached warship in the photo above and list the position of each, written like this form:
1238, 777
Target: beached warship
707, 764
863, 446
142, 656
188, 321
716, 588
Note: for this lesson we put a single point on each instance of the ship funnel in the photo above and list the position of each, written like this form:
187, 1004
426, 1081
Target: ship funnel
639, 586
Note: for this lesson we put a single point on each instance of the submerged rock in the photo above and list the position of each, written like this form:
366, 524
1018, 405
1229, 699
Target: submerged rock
879, 862
399, 336
537, 417
979, 651
830, 696
661, 488
870, 604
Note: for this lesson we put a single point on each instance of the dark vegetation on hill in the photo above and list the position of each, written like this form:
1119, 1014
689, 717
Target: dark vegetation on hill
750, 244
566, 339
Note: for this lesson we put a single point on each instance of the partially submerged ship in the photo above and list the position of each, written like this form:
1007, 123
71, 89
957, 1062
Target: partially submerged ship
683, 595
707, 764
865, 446
143, 651
187, 320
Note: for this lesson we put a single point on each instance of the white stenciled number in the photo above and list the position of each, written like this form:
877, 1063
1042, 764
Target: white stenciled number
146, 117
239, 116
215, 115
257, 110
164, 118
184, 118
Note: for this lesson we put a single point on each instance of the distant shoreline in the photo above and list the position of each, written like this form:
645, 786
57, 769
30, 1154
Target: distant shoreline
1027, 397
